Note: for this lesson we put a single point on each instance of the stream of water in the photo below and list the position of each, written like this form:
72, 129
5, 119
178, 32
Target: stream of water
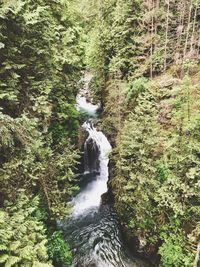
93, 230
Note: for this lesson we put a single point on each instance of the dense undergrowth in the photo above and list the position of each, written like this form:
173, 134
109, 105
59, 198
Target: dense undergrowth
156, 182
40, 63
144, 57
145, 61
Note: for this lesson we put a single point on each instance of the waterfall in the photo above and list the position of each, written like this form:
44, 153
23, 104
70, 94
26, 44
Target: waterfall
96, 151
93, 230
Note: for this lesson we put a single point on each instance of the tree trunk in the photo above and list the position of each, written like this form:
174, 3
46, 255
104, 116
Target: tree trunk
166, 35
188, 31
157, 8
180, 26
193, 27
152, 31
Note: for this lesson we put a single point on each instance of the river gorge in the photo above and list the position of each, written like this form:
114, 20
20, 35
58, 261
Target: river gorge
93, 230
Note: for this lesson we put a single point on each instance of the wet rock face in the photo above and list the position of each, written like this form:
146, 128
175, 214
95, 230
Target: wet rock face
108, 197
140, 248
89, 160
91, 156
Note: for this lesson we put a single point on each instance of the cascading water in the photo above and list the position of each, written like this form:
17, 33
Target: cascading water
93, 230
90, 197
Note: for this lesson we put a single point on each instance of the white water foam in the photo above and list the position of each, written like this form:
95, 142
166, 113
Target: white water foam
90, 197
84, 105
93, 231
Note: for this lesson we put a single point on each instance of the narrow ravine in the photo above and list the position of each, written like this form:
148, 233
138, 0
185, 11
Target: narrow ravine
93, 230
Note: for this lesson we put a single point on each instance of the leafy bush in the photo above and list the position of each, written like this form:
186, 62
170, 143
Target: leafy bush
23, 239
136, 87
174, 252
157, 169
58, 250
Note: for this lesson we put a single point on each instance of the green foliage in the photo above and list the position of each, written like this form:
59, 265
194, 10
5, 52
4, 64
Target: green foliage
174, 252
136, 87
162, 172
157, 123
66, 125
22, 235
15, 132
59, 251
153, 122
29, 164
41, 56
116, 92
139, 38
157, 165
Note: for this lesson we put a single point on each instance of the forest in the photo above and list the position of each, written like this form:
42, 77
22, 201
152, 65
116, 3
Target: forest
144, 60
